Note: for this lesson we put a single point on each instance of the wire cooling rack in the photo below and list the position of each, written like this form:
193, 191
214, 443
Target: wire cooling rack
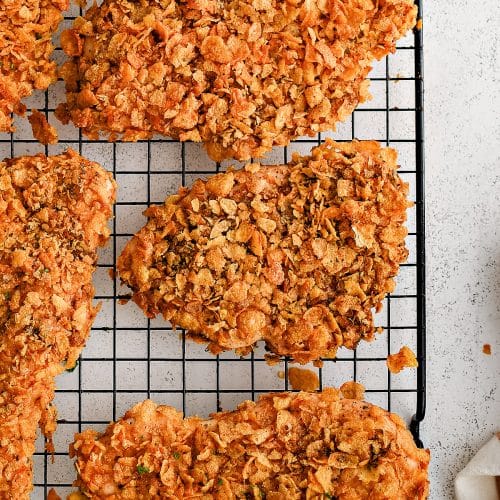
129, 358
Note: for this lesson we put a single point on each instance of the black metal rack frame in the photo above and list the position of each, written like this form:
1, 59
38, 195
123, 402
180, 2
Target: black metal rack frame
45, 480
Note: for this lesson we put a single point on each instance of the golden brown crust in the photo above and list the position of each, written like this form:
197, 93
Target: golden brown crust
285, 446
240, 76
405, 358
296, 255
53, 216
26, 29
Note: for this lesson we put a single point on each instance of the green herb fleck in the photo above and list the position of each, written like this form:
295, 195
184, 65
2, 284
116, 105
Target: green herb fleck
6, 295
219, 482
72, 369
142, 470
46, 270
177, 455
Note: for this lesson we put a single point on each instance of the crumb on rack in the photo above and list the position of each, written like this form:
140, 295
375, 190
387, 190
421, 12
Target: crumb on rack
76, 495
353, 390
487, 349
42, 130
405, 358
272, 359
419, 24
281, 374
52, 495
302, 379
318, 363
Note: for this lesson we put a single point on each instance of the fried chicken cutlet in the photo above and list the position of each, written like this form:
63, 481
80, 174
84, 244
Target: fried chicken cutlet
26, 29
240, 76
285, 446
296, 255
53, 216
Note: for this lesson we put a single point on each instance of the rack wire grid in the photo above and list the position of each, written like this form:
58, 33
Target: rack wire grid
129, 358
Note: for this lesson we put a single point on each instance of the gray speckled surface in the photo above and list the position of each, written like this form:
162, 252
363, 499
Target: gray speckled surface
462, 80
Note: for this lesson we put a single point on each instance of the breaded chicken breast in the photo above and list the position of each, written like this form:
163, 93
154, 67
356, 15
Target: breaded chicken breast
240, 76
296, 255
26, 29
54, 213
285, 446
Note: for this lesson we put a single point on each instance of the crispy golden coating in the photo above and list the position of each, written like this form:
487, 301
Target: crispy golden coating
405, 358
53, 216
240, 76
285, 446
296, 255
26, 29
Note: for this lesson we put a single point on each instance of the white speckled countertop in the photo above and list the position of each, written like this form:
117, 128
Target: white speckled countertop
462, 82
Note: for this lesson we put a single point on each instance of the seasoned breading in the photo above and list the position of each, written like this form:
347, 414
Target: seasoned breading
296, 255
285, 446
26, 29
53, 216
241, 76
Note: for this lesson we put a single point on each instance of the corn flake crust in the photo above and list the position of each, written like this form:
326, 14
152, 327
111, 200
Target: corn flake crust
285, 446
296, 255
26, 29
241, 76
53, 216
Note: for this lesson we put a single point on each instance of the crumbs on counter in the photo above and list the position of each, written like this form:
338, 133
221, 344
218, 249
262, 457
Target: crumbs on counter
353, 390
302, 379
405, 358
487, 349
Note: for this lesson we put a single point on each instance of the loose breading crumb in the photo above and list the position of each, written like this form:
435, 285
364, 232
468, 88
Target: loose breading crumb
302, 379
43, 132
284, 446
240, 76
296, 255
487, 349
405, 358
26, 29
53, 216
52, 495
352, 390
